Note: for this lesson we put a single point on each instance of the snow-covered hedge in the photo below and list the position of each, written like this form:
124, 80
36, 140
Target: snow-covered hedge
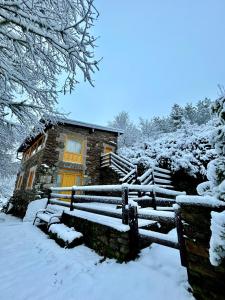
188, 149
217, 241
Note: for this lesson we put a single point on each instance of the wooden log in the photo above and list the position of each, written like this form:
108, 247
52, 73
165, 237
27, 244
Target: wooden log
60, 202
123, 159
161, 170
180, 235
125, 192
130, 174
145, 175
159, 216
116, 161
159, 238
134, 234
72, 199
99, 211
63, 196
162, 175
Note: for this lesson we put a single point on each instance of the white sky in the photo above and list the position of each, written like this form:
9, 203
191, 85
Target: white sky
155, 53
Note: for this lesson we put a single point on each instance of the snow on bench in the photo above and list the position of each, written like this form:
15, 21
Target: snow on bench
51, 214
67, 234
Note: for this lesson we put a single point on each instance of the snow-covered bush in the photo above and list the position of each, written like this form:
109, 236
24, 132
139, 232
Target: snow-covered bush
216, 185
217, 241
216, 168
186, 149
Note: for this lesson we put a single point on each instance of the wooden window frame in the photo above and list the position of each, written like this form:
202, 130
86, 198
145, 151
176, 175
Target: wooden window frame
19, 181
81, 154
30, 186
33, 149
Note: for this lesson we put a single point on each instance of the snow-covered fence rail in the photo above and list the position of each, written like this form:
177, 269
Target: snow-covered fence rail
130, 212
158, 176
125, 169
124, 201
159, 238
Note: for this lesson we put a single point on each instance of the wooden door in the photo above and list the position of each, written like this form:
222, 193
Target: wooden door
70, 179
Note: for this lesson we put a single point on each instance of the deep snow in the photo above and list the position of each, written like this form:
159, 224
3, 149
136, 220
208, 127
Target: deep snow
35, 267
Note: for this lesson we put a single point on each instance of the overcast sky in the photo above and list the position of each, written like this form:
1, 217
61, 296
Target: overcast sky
155, 53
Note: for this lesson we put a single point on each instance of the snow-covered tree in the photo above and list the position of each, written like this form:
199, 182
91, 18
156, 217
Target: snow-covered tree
216, 168
131, 133
190, 113
177, 116
40, 42
185, 150
215, 186
203, 113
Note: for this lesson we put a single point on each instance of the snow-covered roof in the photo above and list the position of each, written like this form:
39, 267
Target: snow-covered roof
23, 146
89, 125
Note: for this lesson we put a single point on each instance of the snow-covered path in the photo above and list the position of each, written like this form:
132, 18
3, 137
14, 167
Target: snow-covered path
33, 267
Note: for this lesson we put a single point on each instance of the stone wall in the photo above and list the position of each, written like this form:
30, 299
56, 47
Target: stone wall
23, 196
108, 176
207, 281
105, 240
49, 161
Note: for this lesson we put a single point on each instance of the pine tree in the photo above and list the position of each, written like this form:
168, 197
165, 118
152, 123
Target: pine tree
190, 113
177, 116
203, 113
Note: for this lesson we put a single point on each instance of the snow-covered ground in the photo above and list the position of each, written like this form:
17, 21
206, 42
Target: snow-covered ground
35, 267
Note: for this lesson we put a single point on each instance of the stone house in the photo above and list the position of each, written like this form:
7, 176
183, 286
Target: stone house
66, 154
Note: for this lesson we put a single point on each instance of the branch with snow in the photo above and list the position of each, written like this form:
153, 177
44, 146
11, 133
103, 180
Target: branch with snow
41, 42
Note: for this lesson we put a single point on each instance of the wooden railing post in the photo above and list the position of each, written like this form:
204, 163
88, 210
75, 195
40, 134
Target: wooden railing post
153, 195
134, 235
49, 196
125, 192
179, 227
72, 199
133, 218
110, 159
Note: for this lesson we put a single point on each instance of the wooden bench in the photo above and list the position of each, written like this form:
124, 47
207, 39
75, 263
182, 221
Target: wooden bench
50, 215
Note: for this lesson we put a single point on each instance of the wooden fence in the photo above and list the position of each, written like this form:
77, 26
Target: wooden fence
129, 213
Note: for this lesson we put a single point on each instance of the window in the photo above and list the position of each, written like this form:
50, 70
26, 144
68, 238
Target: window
37, 146
73, 151
19, 181
31, 176
58, 180
73, 146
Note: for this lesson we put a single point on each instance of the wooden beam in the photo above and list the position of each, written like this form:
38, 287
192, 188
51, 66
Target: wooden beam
159, 238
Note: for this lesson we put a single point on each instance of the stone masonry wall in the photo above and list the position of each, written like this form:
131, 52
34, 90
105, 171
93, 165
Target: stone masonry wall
44, 177
207, 281
49, 161
105, 240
